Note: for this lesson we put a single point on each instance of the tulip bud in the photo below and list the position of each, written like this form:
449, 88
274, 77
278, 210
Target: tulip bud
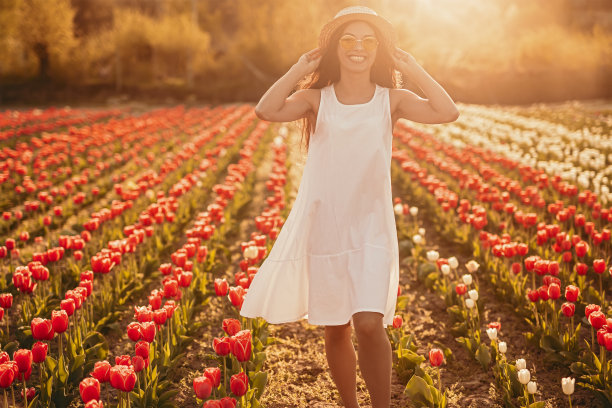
492, 333
467, 279
472, 266
567, 384
453, 263
239, 384
520, 364
473, 294
202, 387
417, 239
532, 387
445, 269
432, 256
436, 357
469, 303
524, 376
89, 389
399, 209
503, 347
414, 211
397, 321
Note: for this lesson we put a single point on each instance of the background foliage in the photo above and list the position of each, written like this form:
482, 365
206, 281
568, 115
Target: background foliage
482, 51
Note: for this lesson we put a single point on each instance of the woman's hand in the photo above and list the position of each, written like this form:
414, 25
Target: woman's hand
309, 61
404, 61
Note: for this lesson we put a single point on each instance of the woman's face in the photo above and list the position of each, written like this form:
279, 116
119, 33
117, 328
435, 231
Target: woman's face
357, 59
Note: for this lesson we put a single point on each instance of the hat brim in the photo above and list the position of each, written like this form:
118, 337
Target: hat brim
386, 29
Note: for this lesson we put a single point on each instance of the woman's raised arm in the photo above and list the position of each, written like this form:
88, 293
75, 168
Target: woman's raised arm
276, 105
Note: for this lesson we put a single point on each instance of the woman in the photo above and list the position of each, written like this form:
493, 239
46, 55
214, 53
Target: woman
336, 258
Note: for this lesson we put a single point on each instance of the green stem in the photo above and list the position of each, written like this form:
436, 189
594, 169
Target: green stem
25, 390
439, 382
570, 400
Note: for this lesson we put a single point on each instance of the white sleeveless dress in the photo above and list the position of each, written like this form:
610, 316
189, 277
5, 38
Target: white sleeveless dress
337, 252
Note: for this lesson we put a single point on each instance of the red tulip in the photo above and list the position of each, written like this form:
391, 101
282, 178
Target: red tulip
581, 249
516, 268
461, 289
597, 319
228, 402
184, 279
142, 349
221, 287
231, 326
10, 243
6, 300
397, 321
147, 331
222, 346
202, 387
133, 331
23, 358
239, 384
7, 375
241, 345
89, 389
101, 371
590, 309
212, 404
170, 288
160, 316
42, 329
59, 320
571, 293
554, 291
123, 378
139, 363
599, 265
214, 375
39, 352
568, 309
436, 357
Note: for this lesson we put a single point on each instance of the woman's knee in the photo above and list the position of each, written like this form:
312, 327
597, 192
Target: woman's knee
367, 323
338, 332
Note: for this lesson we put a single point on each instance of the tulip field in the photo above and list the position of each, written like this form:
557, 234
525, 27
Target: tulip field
129, 238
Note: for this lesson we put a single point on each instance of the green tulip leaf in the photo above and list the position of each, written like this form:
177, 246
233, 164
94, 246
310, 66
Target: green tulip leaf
483, 355
418, 390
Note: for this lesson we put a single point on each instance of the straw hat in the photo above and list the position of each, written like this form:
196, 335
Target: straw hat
358, 13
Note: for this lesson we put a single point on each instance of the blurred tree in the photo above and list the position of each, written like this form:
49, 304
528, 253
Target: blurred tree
45, 28
92, 16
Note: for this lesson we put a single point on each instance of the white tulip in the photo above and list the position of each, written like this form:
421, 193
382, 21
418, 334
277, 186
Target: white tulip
452, 262
520, 364
469, 303
417, 239
278, 140
445, 269
524, 376
398, 208
283, 131
251, 252
414, 211
568, 385
532, 387
467, 279
503, 347
473, 294
432, 256
492, 333
422, 231
472, 266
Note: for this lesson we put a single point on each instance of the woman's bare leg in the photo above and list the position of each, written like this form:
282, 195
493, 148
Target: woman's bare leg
342, 362
374, 356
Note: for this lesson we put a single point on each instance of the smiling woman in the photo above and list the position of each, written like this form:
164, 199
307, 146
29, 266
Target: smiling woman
336, 258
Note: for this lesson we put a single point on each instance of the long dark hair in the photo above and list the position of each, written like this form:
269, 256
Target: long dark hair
383, 73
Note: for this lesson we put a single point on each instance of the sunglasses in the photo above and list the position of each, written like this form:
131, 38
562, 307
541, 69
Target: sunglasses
348, 42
